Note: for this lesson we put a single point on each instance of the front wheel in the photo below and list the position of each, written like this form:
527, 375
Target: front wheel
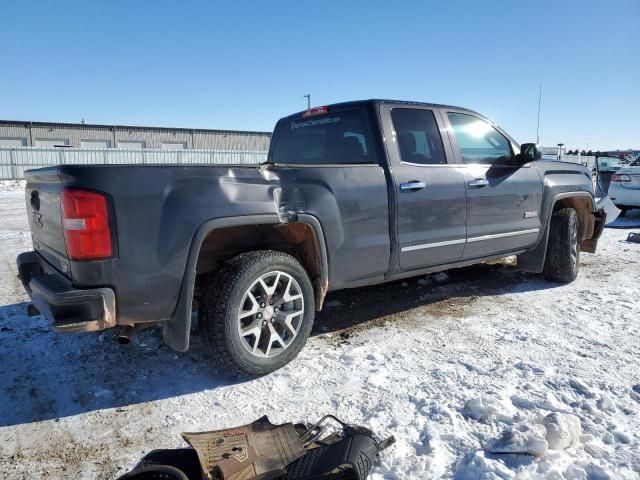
563, 248
258, 312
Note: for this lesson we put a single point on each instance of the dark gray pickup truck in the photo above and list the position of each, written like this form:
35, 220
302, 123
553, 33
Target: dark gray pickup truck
352, 194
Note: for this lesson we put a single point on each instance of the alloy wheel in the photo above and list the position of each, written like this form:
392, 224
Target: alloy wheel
270, 314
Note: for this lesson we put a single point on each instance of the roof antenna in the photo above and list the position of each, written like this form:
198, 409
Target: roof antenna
308, 97
538, 127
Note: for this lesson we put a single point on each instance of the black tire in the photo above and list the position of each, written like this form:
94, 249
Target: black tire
224, 298
562, 261
155, 472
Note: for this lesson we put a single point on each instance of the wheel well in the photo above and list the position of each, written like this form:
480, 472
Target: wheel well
584, 207
297, 239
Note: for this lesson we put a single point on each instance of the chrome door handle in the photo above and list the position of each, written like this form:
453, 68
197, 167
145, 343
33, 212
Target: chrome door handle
412, 186
478, 182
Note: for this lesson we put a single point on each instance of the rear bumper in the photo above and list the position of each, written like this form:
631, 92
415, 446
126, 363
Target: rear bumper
623, 196
67, 308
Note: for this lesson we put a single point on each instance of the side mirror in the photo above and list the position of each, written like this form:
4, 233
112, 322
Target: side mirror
529, 152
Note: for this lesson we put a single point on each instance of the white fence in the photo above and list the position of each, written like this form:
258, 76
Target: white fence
14, 161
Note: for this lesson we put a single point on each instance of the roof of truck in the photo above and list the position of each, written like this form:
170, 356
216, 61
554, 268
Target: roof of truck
378, 101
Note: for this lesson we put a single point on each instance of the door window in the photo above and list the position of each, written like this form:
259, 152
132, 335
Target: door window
478, 141
418, 136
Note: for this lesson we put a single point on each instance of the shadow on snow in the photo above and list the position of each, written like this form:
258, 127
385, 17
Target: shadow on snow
45, 375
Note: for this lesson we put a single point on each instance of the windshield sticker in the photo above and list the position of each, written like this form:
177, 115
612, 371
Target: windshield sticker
313, 123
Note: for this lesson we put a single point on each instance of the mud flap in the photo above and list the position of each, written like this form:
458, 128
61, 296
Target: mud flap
533, 261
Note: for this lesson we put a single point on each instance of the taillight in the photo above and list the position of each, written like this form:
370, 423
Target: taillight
85, 219
312, 112
620, 177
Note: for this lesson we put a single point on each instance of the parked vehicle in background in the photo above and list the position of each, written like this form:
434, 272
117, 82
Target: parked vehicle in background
624, 190
352, 194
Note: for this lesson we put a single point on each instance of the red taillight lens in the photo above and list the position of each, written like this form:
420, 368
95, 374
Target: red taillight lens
315, 111
85, 219
620, 178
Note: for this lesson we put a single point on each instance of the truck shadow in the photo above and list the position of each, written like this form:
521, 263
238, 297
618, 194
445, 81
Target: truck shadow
45, 375
449, 294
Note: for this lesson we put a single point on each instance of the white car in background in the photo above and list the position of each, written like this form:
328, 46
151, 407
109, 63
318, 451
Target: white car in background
624, 190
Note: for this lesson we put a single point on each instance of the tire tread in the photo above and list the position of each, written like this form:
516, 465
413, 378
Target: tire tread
217, 299
557, 265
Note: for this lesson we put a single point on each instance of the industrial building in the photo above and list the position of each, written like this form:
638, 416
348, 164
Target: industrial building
16, 134
28, 145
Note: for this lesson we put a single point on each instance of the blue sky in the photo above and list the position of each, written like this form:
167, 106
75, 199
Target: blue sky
242, 65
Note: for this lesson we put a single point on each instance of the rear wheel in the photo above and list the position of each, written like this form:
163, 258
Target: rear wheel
562, 261
258, 312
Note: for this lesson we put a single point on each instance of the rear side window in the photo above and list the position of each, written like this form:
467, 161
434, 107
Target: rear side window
418, 137
478, 141
334, 138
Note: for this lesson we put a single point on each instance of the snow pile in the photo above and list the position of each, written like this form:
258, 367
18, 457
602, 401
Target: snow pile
523, 438
481, 373
562, 430
488, 409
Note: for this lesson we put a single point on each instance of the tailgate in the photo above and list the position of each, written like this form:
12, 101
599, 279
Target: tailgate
42, 194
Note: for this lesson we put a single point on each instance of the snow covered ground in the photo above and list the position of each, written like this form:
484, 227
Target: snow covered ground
479, 373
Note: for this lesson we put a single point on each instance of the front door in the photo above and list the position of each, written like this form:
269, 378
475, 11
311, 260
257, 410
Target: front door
430, 192
503, 199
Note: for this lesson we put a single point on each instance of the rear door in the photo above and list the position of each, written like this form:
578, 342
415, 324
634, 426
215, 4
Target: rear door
503, 199
328, 167
429, 191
